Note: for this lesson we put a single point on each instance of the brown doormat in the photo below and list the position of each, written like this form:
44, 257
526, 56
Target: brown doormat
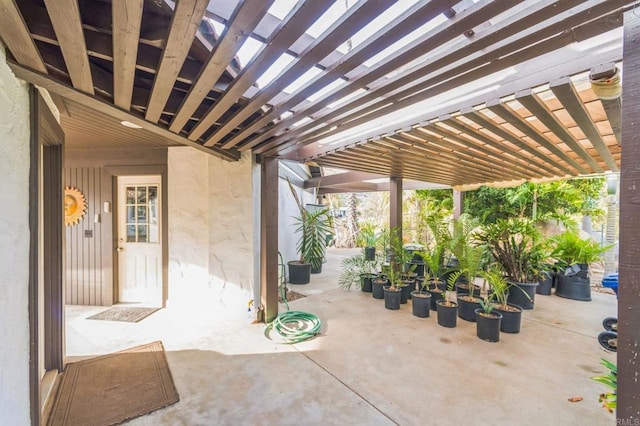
113, 388
124, 313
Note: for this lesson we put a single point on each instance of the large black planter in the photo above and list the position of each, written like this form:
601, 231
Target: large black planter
488, 325
435, 296
367, 282
419, 267
467, 308
573, 287
299, 273
378, 287
522, 294
392, 298
545, 283
370, 253
421, 303
511, 319
447, 315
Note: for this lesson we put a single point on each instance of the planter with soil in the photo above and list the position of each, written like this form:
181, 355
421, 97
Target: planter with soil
299, 273
377, 286
522, 294
367, 282
392, 297
421, 303
436, 294
447, 313
370, 253
488, 325
511, 317
545, 283
467, 306
574, 283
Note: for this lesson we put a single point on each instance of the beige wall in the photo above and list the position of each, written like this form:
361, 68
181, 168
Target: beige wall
211, 247
14, 243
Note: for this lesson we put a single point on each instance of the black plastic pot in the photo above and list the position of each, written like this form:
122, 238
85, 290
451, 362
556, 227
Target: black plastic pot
435, 296
299, 273
488, 325
545, 283
370, 253
419, 267
377, 286
510, 319
447, 315
463, 288
421, 303
405, 291
573, 287
467, 308
316, 270
392, 298
367, 282
522, 294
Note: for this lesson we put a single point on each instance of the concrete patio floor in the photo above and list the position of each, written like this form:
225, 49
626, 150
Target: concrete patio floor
369, 365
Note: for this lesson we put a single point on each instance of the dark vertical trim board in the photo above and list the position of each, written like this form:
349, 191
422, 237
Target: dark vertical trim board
628, 411
269, 238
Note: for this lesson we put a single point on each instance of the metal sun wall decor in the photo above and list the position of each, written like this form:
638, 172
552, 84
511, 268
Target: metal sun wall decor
75, 206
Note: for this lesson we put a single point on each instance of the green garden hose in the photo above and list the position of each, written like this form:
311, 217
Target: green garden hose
295, 326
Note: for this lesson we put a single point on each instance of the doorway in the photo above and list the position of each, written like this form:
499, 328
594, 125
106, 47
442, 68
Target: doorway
139, 240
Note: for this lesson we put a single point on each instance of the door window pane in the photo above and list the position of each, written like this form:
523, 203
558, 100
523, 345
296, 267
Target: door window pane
142, 214
142, 195
131, 233
131, 195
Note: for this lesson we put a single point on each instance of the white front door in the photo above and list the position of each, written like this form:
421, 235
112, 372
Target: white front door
139, 241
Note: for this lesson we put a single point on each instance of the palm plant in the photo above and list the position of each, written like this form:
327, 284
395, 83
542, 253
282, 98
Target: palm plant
570, 249
516, 245
471, 256
313, 227
353, 268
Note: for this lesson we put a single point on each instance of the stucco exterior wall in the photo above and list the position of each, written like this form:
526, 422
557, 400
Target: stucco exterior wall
287, 210
188, 220
14, 240
231, 207
211, 240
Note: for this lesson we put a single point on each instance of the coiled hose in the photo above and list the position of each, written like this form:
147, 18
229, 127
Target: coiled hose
295, 326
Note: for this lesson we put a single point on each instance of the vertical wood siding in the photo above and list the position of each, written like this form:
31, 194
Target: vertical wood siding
85, 283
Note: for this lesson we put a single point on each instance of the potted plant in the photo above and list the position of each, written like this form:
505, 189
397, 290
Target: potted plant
421, 300
396, 292
358, 270
488, 322
516, 245
574, 256
511, 313
367, 237
447, 309
313, 227
470, 260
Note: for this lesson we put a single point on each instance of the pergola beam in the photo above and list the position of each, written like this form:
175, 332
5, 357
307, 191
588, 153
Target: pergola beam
340, 179
127, 18
566, 93
15, 35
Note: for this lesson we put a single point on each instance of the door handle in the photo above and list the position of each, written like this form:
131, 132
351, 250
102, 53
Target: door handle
119, 249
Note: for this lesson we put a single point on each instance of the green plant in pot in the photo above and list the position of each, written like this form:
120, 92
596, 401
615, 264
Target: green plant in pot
357, 270
393, 296
471, 258
517, 246
368, 238
574, 256
313, 228
488, 321
500, 288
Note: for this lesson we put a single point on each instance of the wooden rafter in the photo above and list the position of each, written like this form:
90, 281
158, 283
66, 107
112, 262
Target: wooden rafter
552, 34
15, 34
65, 17
242, 22
112, 111
503, 111
534, 104
127, 18
566, 93
302, 16
186, 18
383, 38
440, 35
351, 22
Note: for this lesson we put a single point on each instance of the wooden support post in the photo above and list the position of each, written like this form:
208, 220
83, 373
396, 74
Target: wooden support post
628, 411
395, 205
458, 202
269, 238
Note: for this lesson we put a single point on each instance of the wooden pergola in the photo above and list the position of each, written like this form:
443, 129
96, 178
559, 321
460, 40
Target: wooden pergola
174, 70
